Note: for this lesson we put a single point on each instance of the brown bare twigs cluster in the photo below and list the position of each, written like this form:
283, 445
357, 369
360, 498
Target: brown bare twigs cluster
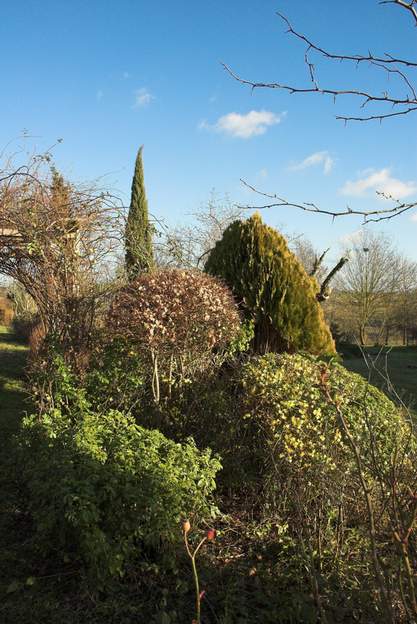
55, 240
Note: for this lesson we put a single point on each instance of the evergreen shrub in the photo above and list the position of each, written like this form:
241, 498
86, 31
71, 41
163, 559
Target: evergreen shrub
272, 287
116, 375
138, 234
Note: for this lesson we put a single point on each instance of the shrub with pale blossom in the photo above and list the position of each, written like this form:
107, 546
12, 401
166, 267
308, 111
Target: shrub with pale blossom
177, 318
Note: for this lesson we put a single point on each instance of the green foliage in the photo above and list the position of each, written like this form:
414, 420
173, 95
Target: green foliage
242, 341
138, 235
272, 287
283, 397
105, 491
54, 384
115, 377
325, 436
275, 421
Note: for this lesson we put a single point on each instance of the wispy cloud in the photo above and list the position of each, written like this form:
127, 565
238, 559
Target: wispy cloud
378, 180
318, 158
246, 126
143, 97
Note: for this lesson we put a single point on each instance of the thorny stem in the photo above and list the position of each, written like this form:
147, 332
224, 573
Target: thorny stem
195, 574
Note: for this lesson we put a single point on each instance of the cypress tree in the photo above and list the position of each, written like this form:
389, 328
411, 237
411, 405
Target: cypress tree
138, 235
272, 288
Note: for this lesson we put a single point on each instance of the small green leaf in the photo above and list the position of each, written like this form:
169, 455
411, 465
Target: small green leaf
14, 586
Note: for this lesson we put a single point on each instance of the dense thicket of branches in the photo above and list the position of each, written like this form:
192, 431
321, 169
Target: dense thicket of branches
56, 240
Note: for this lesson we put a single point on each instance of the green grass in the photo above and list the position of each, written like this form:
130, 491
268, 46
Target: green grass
392, 369
13, 404
13, 357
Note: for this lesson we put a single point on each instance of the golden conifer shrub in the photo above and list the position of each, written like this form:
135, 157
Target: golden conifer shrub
272, 288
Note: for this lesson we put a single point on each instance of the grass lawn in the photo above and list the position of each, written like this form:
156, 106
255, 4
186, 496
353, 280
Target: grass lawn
393, 369
12, 396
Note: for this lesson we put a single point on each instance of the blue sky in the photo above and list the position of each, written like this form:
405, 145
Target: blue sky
107, 76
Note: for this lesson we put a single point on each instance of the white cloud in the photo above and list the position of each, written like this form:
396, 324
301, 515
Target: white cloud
246, 126
380, 180
143, 97
318, 158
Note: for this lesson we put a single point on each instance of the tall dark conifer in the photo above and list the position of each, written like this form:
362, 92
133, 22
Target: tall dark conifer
138, 236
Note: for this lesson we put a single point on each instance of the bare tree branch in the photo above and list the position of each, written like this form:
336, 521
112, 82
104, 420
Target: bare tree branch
368, 215
407, 103
318, 261
55, 240
410, 6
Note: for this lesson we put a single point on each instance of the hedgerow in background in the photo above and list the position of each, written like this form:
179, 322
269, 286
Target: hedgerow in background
272, 288
175, 319
138, 234
105, 492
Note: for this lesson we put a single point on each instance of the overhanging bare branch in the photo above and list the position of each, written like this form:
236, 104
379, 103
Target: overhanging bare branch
382, 214
405, 103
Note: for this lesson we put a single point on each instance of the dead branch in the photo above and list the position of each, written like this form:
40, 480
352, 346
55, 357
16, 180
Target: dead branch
324, 292
318, 261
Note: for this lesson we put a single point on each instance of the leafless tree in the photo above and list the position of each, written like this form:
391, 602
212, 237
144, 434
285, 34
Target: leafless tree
313, 262
398, 100
187, 246
310, 258
366, 283
403, 302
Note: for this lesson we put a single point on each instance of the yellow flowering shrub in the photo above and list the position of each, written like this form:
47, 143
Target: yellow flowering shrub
296, 402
